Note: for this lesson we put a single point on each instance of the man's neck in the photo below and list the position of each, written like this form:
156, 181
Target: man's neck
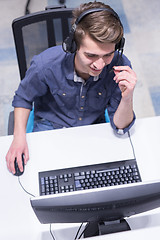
84, 76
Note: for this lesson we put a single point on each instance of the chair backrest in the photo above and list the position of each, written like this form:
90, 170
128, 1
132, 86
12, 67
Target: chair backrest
38, 31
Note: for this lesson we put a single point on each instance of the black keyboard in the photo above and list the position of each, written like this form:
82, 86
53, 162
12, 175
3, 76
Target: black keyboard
87, 177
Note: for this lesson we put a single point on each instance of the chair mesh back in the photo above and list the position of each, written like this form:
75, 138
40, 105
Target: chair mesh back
35, 40
36, 32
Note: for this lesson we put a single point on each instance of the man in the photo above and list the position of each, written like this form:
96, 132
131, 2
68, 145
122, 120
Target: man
74, 87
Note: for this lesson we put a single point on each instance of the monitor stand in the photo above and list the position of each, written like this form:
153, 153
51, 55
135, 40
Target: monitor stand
101, 228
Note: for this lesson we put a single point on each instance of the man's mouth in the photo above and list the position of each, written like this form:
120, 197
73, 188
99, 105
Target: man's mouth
95, 70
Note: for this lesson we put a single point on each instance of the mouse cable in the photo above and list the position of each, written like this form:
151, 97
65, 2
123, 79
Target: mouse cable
24, 188
51, 232
78, 231
33, 196
87, 225
131, 144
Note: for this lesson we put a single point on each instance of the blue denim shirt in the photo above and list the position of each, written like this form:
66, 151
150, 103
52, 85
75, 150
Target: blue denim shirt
49, 83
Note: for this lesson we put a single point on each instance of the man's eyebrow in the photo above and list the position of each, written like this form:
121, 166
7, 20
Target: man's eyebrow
109, 53
93, 54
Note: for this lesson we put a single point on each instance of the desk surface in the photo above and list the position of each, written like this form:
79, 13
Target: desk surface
71, 147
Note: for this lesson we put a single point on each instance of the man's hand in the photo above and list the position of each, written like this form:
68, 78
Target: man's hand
126, 79
18, 146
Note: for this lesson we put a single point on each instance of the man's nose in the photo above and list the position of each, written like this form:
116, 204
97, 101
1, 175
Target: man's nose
99, 64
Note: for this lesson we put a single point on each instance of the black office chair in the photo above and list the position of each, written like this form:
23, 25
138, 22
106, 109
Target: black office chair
33, 33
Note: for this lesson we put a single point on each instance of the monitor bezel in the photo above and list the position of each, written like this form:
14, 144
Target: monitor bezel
100, 204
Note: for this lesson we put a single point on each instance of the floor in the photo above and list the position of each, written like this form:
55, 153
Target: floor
141, 23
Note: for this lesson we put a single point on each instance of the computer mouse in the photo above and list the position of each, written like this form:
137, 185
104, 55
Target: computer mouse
18, 172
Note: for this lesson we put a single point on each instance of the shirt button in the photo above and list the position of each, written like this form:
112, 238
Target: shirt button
82, 96
63, 94
81, 108
99, 93
80, 119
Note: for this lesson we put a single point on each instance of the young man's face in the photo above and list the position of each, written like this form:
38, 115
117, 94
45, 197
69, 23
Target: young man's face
92, 57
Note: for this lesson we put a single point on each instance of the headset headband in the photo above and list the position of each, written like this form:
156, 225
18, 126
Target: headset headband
92, 10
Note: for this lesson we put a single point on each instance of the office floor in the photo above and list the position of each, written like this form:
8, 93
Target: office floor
141, 23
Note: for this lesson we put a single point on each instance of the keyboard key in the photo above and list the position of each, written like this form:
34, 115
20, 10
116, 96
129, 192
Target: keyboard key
79, 177
76, 174
77, 184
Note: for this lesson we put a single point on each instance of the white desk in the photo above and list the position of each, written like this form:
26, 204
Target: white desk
72, 147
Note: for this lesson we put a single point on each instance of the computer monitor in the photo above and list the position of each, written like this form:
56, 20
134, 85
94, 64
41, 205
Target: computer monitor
98, 206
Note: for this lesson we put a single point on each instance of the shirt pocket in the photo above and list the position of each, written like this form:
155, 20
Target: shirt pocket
65, 98
97, 99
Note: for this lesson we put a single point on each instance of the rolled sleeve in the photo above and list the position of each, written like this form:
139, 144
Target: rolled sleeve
21, 103
124, 130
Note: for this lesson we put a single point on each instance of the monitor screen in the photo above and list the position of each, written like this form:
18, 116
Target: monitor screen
96, 205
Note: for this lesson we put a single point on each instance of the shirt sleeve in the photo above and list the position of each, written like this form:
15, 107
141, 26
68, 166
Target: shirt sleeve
31, 86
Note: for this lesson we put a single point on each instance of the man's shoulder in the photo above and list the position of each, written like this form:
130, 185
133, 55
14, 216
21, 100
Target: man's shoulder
53, 55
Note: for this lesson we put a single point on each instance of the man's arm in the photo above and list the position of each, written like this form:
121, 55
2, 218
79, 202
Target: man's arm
126, 79
19, 143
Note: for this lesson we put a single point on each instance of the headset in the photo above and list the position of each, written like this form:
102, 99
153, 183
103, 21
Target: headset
69, 44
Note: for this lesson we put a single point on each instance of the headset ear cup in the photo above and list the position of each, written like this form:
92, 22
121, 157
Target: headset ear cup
69, 44
64, 45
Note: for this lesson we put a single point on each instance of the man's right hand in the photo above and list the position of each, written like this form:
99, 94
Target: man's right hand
18, 147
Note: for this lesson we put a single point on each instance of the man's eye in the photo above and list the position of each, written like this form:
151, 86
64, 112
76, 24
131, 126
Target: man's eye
91, 55
108, 55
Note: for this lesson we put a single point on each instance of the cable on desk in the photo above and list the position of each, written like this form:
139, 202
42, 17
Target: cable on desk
131, 145
24, 188
87, 225
78, 231
51, 232
27, 7
34, 196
